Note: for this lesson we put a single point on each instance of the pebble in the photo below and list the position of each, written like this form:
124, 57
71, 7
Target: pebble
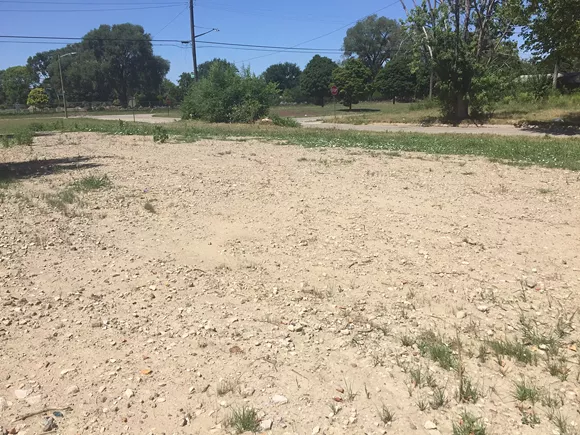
129, 393
531, 282
73, 389
21, 394
316, 430
266, 424
3, 404
460, 314
429, 425
483, 308
48, 424
279, 400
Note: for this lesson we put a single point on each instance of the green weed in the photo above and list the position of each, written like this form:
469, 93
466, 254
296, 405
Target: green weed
469, 425
244, 419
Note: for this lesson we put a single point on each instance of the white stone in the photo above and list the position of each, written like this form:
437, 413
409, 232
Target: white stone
129, 393
316, 430
266, 424
21, 394
73, 389
279, 400
429, 425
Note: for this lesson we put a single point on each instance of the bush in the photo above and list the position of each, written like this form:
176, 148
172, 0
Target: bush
160, 134
37, 97
284, 122
226, 96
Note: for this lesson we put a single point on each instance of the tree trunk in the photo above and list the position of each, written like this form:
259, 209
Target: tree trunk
462, 108
555, 76
431, 83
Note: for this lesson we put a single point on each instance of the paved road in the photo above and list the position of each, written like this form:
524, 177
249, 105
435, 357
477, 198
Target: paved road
503, 130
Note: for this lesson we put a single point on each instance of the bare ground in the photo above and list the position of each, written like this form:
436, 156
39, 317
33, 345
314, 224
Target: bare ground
274, 270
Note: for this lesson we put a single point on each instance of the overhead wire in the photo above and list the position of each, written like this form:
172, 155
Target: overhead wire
326, 34
171, 22
61, 11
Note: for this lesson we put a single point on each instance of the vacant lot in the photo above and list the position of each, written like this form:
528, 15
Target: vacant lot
181, 287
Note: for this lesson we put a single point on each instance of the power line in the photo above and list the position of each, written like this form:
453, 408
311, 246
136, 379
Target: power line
88, 10
171, 22
326, 34
47, 3
231, 45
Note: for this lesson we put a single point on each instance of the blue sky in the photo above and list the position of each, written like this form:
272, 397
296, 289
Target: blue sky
262, 22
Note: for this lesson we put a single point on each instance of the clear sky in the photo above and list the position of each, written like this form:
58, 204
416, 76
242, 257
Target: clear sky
261, 22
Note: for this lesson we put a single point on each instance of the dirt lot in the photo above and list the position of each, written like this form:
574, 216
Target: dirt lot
300, 282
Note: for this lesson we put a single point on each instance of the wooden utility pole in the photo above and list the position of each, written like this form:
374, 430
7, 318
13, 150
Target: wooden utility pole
193, 52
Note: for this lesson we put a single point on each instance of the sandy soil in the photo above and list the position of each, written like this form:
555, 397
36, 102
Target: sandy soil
278, 271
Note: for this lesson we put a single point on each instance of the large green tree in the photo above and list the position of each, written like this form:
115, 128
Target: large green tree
397, 80
16, 84
374, 40
203, 68
463, 38
316, 78
285, 75
111, 62
354, 82
552, 32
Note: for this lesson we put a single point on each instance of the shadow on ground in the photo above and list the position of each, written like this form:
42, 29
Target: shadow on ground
358, 110
12, 171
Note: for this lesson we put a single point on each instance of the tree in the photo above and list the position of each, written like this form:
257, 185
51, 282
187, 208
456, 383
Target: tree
16, 83
553, 31
353, 80
37, 97
463, 38
111, 62
285, 75
184, 83
396, 80
316, 78
203, 68
374, 40
170, 91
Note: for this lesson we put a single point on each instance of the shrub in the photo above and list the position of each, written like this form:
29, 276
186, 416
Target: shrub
37, 97
284, 122
160, 134
226, 96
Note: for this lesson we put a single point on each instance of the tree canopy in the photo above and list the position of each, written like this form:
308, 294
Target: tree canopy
111, 62
16, 83
374, 40
354, 81
317, 77
204, 68
285, 75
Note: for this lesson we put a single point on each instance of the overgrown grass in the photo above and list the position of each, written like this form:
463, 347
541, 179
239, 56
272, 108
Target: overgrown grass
468, 424
432, 346
284, 122
91, 182
513, 349
244, 419
549, 152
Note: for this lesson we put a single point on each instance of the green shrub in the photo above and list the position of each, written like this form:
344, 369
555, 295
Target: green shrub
226, 96
160, 134
284, 122
23, 137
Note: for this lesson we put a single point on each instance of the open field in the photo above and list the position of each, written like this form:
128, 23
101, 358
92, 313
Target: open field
214, 286
565, 107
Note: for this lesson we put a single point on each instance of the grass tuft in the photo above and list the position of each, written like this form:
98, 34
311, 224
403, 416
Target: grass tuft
386, 415
91, 182
513, 349
432, 346
469, 425
526, 391
244, 419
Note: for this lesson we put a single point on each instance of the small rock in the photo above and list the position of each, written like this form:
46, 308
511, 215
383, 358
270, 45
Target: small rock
129, 393
429, 425
345, 332
266, 424
316, 430
3, 404
279, 400
483, 308
531, 282
247, 392
48, 424
72, 390
34, 400
460, 314
21, 394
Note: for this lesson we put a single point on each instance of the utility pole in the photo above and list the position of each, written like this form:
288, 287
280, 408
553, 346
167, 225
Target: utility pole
193, 52
62, 81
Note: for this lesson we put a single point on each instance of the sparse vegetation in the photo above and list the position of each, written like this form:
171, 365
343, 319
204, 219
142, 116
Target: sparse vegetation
514, 350
526, 391
468, 424
160, 134
226, 386
91, 182
244, 419
432, 346
386, 415
468, 391
439, 399
284, 122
